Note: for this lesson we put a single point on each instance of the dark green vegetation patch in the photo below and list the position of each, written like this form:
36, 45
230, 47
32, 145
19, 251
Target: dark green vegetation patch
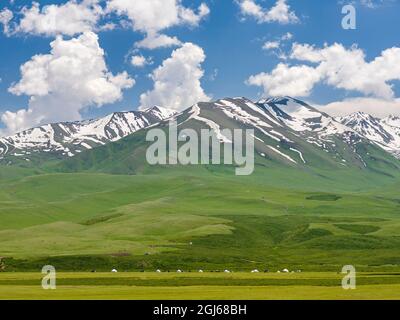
358, 228
324, 197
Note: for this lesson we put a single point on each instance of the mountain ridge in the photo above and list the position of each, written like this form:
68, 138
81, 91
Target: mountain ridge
383, 132
66, 139
285, 133
288, 128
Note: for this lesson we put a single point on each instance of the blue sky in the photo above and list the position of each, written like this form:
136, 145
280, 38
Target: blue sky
228, 40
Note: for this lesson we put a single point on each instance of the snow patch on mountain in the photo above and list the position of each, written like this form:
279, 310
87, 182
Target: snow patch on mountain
383, 132
70, 138
214, 126
282, 154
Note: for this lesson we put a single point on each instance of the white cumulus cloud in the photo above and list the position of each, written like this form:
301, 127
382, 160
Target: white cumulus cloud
140, 61
348, 69
60, 84
279, 13
297, 81
177, 81
152, 17
154, 41
335, 66
275, 45
70, 18
6, 16
271, 45
380, 108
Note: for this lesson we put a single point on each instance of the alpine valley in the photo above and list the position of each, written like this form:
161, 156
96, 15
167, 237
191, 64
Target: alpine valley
324, 193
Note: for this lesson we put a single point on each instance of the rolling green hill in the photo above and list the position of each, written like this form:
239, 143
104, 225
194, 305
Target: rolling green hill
84, 221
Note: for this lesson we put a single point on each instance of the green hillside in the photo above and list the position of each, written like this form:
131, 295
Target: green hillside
275, 218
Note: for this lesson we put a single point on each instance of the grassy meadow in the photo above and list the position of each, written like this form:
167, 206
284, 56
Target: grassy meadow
199, 219
206, 286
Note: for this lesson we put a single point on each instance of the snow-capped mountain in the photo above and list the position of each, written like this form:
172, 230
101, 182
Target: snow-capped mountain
67, 139
383, 132
286, 130
303, 118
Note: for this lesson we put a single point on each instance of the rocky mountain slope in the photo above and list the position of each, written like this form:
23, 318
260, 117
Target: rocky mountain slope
383, 132
287, 132
67, 139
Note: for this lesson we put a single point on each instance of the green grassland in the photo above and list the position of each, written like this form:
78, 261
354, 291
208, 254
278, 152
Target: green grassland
200, 217
193, 218
206, 286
